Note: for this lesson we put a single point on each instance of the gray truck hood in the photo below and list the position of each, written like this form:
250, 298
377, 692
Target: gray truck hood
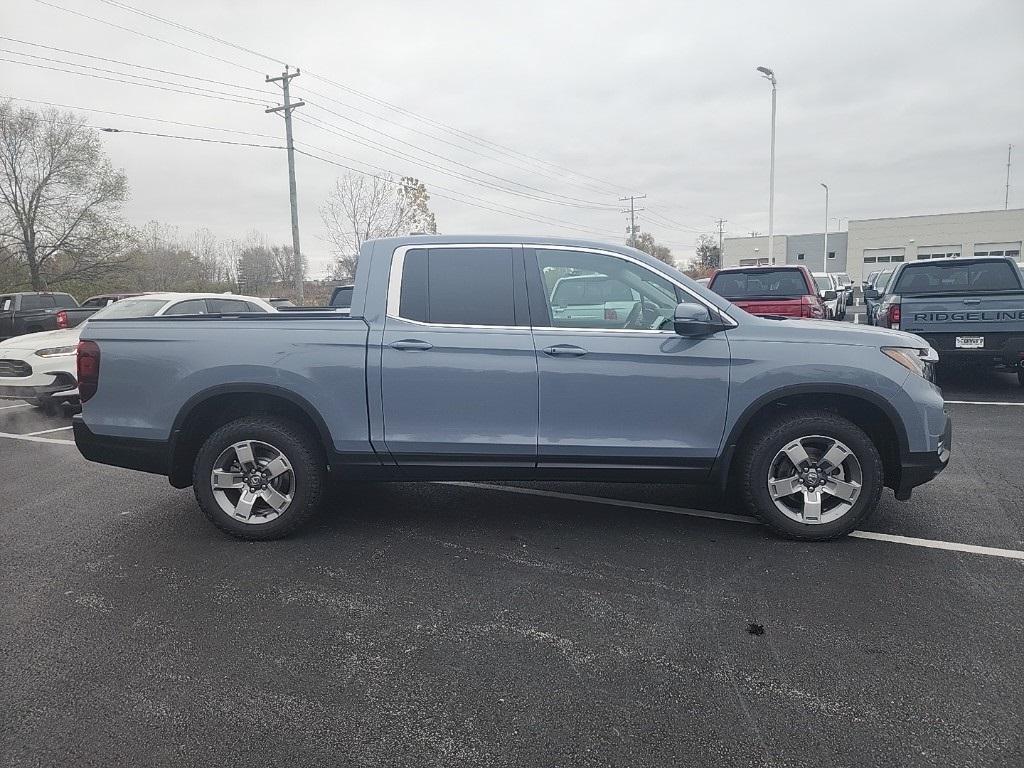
832, 332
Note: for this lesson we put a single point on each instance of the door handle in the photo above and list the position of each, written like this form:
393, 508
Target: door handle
565, 350
412, 345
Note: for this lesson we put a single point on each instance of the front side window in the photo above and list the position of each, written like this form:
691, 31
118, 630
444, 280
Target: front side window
594, 290
458, 286
37, 302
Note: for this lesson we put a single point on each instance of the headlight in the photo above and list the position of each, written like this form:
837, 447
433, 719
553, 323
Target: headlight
915, 359
56, 351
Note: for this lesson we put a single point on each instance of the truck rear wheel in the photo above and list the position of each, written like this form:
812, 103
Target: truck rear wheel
259, 478
811, 475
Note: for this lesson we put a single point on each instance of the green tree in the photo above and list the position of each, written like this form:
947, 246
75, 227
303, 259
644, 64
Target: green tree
646, 243
709, 256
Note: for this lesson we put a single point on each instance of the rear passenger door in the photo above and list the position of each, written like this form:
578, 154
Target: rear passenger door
458, 370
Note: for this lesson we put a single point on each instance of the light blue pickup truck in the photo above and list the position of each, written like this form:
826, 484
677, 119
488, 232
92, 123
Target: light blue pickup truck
454, 365
969, 309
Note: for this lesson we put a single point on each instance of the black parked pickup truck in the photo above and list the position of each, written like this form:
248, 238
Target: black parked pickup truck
32, 312
73, 316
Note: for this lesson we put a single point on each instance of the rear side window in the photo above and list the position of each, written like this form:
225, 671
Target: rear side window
37, 302
227, 305
190, 307
6, 303
759, 284
958, 277
461, 286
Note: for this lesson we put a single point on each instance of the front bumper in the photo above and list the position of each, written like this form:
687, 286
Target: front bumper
61, 386
920, 468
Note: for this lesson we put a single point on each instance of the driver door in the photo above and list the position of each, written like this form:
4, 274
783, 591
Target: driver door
623, 392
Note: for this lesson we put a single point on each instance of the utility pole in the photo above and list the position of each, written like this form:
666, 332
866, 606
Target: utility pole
769, 75
1006, 200
824, 257
287, 108
632, 211
721, 223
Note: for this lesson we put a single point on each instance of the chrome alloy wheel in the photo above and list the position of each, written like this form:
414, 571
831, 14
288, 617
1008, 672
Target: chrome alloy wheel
253, 482
815, 480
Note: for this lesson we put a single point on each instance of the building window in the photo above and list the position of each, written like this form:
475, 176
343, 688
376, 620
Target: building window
870, 259
800, 256
1011, 254
896, 258
831, 254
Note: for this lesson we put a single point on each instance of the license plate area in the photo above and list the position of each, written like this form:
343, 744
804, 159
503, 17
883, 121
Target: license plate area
970, 342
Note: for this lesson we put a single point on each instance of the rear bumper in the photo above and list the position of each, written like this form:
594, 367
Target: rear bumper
1000, 348
920, 468
143, 455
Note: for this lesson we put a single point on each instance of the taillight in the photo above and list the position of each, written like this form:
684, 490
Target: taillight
88, 369
62, 319
811, 306
611, 314
892, 315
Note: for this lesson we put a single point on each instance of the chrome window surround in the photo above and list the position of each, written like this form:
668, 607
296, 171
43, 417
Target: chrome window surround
398, 264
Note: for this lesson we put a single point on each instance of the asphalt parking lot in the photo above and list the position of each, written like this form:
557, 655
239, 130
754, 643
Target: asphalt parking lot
526, 624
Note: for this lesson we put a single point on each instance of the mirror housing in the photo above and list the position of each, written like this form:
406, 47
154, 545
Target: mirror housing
871, 293
830, 295
696, 320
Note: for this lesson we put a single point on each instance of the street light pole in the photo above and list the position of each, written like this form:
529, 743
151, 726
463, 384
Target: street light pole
769, 75
825, 257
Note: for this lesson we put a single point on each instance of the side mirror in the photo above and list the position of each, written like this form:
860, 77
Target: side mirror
830, 295
871, 293
695, 320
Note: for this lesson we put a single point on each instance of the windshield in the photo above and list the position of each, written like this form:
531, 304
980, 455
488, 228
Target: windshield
575, 292
760, 283
129, 308
958, 277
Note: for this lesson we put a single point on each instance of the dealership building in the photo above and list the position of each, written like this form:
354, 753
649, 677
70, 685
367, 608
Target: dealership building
871, 244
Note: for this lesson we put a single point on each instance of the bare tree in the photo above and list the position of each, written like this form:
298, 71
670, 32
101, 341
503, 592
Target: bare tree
361, 208
60, 198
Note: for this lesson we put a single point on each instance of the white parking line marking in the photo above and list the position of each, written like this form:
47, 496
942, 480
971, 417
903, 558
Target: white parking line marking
48, 431
978, 402
33, 439
19, 405
1013, 554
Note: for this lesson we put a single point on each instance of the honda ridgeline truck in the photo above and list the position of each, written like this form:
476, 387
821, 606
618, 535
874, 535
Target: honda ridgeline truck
454, 364
971, 310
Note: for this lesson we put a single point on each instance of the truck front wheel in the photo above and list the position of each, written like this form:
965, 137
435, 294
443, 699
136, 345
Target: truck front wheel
259, 478
811, 475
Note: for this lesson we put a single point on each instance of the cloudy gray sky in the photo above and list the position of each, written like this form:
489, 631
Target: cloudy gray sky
902, 107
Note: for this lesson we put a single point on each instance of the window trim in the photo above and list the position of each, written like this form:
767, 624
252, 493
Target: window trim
394, 297
398, 265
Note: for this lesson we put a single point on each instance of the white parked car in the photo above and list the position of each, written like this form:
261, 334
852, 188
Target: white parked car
40, 368
832, 294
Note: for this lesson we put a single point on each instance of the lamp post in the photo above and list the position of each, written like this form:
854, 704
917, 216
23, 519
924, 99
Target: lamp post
825, 257
769, 75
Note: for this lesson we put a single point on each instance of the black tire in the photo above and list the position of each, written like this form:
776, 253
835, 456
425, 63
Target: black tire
762, 448
296, 444
1020, 377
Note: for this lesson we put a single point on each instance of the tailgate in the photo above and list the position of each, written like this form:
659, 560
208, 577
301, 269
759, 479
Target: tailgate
963, 323
787, 307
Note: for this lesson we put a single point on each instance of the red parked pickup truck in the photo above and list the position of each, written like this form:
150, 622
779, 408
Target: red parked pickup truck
788, 291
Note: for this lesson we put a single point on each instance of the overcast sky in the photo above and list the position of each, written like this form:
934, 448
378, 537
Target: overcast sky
901, 107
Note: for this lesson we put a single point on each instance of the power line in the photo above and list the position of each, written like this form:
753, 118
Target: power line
222, 97
578, 202
126, 74
123, 63
140, 117
185, 138
398, 154
147, 36
361, 94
